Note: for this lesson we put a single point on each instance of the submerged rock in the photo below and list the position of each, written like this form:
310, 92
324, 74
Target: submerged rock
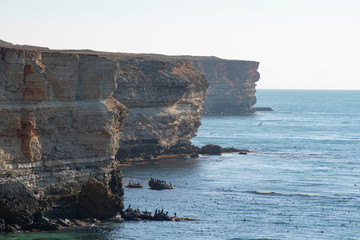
159, 215
211, 149
134, 185
263, 109
244, 152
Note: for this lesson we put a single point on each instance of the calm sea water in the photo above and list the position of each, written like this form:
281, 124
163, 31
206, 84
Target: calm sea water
301, 182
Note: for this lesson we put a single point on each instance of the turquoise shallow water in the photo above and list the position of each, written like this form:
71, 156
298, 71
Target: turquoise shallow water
301, 182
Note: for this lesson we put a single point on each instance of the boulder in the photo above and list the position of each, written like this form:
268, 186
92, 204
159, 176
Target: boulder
131, 214
211, 149
97, 201
244, 152
17, 203
157, 184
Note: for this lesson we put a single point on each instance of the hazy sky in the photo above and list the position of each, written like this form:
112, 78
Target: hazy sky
300, 44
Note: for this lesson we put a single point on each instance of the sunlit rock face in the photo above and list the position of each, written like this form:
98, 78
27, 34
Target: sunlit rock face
231, 85
59, 123
164, 96
66, 114
67, 117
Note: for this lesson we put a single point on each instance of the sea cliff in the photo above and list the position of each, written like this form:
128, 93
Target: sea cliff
166, 105
164, 96
68, 117
60, 126
231, 85
64, 115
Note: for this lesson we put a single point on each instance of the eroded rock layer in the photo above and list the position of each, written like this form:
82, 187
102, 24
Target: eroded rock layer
231, 85
164, 97
59, 123
64, 115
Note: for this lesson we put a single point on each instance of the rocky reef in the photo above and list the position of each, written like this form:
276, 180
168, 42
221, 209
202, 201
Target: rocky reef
231, 85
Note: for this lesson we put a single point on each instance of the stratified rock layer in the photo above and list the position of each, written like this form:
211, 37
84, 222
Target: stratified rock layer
59, 123
164, 97
231, 85
62, 121
65, 115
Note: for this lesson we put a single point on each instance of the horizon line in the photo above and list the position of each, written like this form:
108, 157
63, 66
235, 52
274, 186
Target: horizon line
310, 89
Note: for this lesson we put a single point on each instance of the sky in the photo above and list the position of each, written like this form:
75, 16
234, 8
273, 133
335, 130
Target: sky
300, 44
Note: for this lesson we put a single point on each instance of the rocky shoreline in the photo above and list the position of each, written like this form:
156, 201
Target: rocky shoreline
21, 211
70, 117
184, 148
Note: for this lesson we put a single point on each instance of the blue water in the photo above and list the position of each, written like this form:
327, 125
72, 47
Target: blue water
302, 180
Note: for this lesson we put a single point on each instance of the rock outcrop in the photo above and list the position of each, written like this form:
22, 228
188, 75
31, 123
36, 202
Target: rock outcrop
59, 125
231, 85
164, 96
97, 201
64, 115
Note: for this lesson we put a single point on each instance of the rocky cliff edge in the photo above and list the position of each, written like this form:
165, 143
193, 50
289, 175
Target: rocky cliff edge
231, 85
60, 127
64, 115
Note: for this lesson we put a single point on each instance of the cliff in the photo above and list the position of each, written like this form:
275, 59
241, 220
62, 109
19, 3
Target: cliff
164, 97
231, 85
67, 115
59, 127
165, 105
64, 116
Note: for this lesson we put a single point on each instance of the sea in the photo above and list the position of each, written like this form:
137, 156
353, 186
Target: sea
301, 179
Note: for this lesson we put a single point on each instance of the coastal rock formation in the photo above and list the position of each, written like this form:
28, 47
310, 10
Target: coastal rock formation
62, 122
59, 124
17, 203
97, 200
231, 85
65, 116
164, 96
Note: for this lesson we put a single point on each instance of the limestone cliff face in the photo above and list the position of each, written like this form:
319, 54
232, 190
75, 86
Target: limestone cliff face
59, 123
164, 97
231, 85
64, 115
